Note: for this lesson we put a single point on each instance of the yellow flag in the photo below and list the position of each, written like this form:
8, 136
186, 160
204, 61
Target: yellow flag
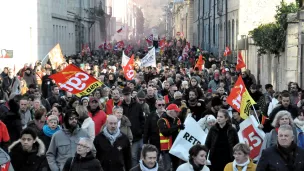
56, 57
246, 104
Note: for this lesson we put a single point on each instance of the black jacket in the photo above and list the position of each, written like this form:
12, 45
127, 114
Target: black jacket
113, 157
167, 132
151, 131
134, 112
271, 160
137, 168
46, 86
212, 137
77, 163
28, 161
293, 111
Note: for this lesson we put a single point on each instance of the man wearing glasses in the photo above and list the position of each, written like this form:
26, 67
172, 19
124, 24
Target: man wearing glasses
64, 143
151, 131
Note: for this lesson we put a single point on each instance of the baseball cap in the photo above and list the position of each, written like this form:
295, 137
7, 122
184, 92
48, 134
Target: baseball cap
173, 107
93, 99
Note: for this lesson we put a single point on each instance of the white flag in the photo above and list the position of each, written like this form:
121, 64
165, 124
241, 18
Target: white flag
191, 135
124, 59
149, 59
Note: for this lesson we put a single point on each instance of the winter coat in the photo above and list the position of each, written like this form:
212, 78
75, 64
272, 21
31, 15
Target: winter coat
30, 79
145, 108
12, 84
250, 167
271, 160
5, 160
99, 118
28, 161
63, 146
212, 137
113, 157
167, 132
134, 113
274, 102
26, 117
300, 132
87, 163
137, 168
188, 167
293, 111
151, 130
125, 127
46, 86
88, 126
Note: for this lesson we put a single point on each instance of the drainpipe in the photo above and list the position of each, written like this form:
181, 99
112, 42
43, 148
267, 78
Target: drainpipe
226, 10
209, 27
203, 24
199, 21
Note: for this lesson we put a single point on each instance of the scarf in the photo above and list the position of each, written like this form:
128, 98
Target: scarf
196, 167
244, 165
48, 131
299, 124
144, 168
111, 137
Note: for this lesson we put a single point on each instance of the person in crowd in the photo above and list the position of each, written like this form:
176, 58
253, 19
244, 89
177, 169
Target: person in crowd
207, 122
84, 159
124, 123
23, 87
197, 159
221, 139
148, 162
58, 111
12, 119
64, 142
169, 125
31, 89
4, 137
97, 115
274, 102
169, 98
25, 112
72, 102
236, 119
28, 153
86, 122
85, 101
49, 130
113, 147
141, 99
38, 122
114, 101
44, 102
47, 83
151, 131
55, 98
286, 105
214, 84
241, 161
299, 124
269, 93
165, 88
282, 118
151, 98
294, 96
5, 161
214, 108
196, 107
11, 84
134, 112
255, 93
29, 77
246, 79
194, 85
285, 155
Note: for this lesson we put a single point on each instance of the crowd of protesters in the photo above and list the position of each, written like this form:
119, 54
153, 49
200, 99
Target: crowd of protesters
131, 125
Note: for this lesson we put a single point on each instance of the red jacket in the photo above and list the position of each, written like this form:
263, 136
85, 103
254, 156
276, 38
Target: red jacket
99, 119
110, 105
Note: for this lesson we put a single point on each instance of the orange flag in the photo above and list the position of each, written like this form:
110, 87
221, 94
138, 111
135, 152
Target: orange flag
227, 51
129, 69
200, 62
56, 57
240, 62
72, 79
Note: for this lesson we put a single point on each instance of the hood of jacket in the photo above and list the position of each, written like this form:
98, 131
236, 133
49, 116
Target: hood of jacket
38, 145
86, 123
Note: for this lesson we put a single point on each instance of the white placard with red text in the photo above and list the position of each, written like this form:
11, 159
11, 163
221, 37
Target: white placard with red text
250, 133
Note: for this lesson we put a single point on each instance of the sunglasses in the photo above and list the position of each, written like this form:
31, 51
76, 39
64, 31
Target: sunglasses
161, 105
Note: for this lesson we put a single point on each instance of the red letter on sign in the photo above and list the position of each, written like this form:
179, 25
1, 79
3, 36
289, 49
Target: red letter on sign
253, 140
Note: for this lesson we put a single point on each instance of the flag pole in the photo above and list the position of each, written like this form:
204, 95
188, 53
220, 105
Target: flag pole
257, 118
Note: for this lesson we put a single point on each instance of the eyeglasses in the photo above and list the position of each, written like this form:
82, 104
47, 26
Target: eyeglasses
161, 105
83, 146
293, 87
175, 90
73, 118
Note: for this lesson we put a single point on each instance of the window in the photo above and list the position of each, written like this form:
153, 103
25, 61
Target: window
233, 35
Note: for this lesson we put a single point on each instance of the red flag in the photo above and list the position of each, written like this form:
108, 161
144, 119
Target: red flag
240, 62
227, 51
119, 30
235, 97
200, 62
72, 79
109, 46
129, 69
120, 44
162, 44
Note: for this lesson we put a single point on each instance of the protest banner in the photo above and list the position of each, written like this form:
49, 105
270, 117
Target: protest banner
250, 134
149, 59
72, 79
191, 135
124, 59
129, 71
56, 57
